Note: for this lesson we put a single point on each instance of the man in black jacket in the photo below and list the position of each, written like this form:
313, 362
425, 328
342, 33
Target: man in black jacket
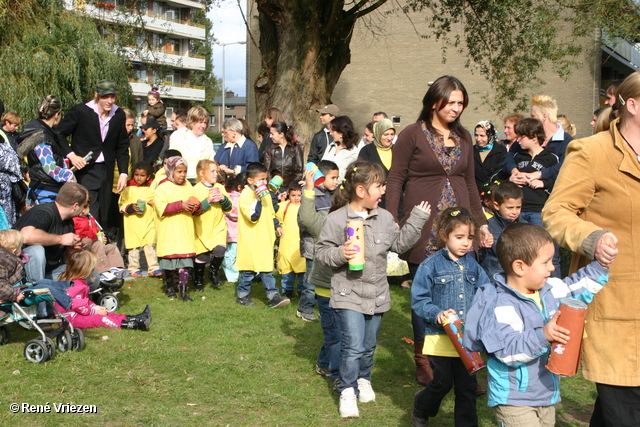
98, 126
321, 139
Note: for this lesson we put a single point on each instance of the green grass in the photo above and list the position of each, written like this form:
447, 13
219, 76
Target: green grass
213, 362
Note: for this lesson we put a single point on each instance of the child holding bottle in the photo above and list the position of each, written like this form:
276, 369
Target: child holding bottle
360, 298
446, 282
210, 225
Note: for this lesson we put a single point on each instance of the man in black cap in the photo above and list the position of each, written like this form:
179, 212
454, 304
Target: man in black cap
98, 127
322, 138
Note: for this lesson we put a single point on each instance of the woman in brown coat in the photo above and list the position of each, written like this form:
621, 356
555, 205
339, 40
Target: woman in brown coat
593, 204
435, 158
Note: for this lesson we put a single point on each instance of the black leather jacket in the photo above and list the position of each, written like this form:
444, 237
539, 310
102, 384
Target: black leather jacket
289, 164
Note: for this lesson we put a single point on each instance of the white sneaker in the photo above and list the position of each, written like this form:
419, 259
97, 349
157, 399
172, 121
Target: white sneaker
366, 392
119, 273
348, 403
107, 276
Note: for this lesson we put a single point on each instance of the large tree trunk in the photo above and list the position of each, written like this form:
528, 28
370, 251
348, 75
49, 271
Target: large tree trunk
304, 47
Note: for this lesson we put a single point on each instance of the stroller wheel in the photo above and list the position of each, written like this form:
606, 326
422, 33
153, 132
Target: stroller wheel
110, 302
35, 351
65, 342
51, 348
77, 340
4, 335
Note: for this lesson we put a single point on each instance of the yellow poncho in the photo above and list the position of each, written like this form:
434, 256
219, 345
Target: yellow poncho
289, 258
255, 239
210, 226
175, 232
139, 230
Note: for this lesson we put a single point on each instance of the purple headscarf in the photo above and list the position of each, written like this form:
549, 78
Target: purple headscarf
172, 164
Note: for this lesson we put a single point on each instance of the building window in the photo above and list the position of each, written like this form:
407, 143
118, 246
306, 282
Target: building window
396, 120
212, 120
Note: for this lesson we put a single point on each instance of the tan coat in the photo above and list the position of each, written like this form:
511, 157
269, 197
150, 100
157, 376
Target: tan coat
597, 189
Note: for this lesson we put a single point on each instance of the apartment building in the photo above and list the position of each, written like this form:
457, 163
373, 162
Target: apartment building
162, 53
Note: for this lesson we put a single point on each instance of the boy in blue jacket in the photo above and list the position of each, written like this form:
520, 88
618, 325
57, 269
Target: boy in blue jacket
514, 321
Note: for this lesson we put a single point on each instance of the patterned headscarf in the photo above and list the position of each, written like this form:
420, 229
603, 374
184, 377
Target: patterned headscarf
172, 164
379, 128
491, 134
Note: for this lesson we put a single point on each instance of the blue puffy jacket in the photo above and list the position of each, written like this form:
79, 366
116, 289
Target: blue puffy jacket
508, 326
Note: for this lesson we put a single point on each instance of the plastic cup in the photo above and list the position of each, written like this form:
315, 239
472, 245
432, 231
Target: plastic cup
318, 178
141, 204
355, 235
565, 358
261, 189
275, 183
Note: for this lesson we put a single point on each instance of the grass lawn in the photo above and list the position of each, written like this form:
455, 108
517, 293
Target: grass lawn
214, 362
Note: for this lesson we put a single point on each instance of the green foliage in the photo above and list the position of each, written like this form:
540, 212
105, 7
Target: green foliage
511, 41
45, 49
216, 137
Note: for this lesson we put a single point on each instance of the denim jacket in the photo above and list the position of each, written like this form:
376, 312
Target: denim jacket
442, 283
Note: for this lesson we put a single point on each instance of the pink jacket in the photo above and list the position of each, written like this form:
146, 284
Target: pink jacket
232, 218
81, 304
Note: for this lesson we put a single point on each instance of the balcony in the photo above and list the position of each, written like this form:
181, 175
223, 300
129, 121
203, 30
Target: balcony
175, 91
177, 28
187, 61
625, 52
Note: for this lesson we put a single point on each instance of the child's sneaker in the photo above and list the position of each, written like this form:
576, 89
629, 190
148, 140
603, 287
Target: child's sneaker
119, 273
156, 273
245, 301
307, 317
136, 274
348, 403
325, 372
366, 391
277, 301
107, 277
288, 294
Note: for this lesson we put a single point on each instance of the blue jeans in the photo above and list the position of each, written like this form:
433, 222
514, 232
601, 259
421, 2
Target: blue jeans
329, 356
308, 293
536, 218
289, 279
359, 339
244, 285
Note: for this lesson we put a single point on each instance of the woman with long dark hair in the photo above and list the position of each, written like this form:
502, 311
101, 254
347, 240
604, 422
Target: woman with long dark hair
434, 156
285, 156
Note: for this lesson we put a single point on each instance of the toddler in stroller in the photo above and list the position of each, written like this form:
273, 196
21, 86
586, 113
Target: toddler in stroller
83, 313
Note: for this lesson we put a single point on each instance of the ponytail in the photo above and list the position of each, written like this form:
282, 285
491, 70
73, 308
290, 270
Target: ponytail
358, 173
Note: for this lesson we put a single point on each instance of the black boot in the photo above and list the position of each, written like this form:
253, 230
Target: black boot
184, 296
169, 283
216, 262
133, 322
198, 276
146, 314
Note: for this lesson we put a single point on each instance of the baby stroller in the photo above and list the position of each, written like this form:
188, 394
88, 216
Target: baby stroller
106, 294
40, 349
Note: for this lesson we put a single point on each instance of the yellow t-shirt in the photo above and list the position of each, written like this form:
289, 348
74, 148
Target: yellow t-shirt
385, 157
439, 345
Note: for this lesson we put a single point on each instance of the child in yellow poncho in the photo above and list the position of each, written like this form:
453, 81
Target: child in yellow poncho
210, 225
290, 262
256, 238
139, 220
175, 206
